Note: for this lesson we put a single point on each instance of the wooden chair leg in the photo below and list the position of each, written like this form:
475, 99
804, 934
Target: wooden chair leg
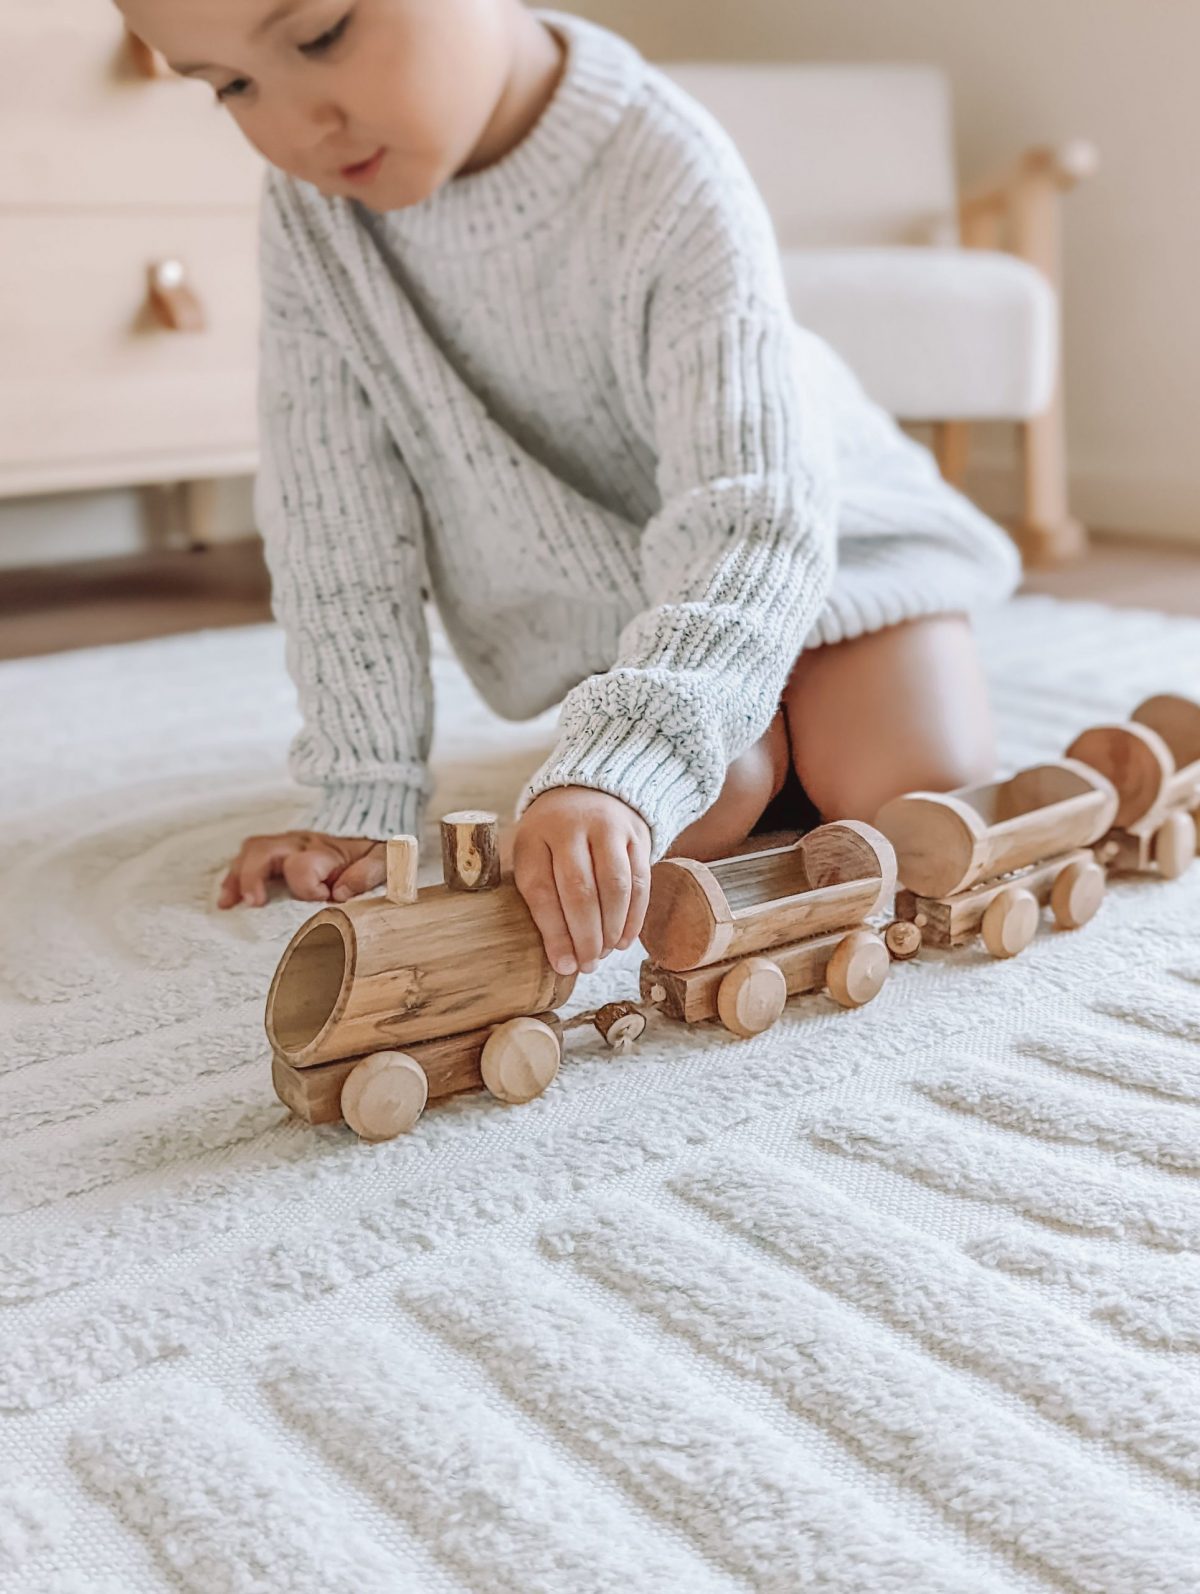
952, 447
1047, 533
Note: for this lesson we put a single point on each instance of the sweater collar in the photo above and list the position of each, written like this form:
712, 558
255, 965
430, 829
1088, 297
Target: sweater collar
503, 202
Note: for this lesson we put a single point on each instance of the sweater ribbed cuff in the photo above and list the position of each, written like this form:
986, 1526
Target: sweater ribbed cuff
634, 762
378, 809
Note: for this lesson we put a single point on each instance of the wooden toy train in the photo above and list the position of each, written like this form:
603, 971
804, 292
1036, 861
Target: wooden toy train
385, 1003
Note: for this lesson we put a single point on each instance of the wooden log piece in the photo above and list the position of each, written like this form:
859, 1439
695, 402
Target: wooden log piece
470, 851
403, 854
1135, 758
751, 996
384, 1096
848, 849
832, 878
519, 1059
1177, 721
956, 921
691, 994
451, 1065
371, 975
949, 841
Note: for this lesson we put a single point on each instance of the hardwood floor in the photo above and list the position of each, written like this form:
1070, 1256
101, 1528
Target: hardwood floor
54, 608
51, 608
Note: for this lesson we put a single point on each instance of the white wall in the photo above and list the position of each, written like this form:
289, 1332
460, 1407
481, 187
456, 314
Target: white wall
1124, 73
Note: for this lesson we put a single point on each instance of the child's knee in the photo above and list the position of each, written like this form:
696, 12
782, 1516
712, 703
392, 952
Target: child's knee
750, 783
860, 791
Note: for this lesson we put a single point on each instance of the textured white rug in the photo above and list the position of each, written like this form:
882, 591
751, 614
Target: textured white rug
902, 1299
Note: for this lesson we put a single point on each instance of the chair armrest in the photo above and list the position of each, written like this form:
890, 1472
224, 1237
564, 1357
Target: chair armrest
1023, 201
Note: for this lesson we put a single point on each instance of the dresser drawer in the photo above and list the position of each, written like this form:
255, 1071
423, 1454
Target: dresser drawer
80, 127
93, 387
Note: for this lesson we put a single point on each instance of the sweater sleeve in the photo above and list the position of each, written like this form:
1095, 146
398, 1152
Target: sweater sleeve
738, 561
342, 526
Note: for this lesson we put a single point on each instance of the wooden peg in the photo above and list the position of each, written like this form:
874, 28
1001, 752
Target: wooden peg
470, 851
903, 939
403, 855
620, 1023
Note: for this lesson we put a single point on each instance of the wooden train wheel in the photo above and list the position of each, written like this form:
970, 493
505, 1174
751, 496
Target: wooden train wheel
384, 1095
1010, 921
519, 1059
1174, 845
1076, 894
857, 969
751, 996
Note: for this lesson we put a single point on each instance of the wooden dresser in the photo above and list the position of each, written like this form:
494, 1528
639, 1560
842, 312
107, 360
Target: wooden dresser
128, 294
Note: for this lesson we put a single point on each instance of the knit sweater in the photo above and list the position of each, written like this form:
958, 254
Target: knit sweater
565, 396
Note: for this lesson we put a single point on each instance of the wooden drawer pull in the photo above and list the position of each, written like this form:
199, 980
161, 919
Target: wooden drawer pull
146, 61
174, 303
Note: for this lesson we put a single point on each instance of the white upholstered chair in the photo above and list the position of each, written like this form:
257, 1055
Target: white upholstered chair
945, 304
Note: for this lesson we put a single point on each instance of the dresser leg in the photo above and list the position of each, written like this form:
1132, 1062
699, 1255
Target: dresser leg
198, 506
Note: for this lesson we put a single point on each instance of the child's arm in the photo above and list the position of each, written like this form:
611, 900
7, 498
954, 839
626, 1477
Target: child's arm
343, 531
738, 561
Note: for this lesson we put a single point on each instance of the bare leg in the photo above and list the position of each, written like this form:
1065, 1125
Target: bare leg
750, 783
898, 710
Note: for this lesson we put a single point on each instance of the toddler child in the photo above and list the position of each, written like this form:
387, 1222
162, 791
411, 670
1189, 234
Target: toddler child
526, 345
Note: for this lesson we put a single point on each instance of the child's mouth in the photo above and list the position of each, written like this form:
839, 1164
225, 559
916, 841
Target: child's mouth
364, 171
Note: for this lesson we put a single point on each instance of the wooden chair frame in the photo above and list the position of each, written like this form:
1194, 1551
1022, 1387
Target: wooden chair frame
1021, 210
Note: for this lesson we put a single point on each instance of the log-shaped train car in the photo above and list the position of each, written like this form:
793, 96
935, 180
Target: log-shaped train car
985, 859
1153, 760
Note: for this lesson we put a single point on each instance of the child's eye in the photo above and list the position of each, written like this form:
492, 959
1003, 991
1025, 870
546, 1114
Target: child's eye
328, 39
232, 90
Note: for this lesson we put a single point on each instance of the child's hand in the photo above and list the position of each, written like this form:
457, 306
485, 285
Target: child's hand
315, 867
581, 860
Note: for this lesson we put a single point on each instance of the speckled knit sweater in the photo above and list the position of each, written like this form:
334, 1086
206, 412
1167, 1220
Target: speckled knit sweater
566, 396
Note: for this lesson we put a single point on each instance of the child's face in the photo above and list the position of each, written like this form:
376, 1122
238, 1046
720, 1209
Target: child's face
320, 86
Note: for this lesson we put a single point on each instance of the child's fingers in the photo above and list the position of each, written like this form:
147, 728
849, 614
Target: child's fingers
534, 875
263, 857
610, 866
306, 872
639, 897
575, 880
364, 874
231, 890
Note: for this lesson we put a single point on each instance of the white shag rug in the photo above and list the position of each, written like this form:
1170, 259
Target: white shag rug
902, 1299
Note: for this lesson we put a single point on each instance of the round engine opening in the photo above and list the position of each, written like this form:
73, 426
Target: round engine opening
305, 991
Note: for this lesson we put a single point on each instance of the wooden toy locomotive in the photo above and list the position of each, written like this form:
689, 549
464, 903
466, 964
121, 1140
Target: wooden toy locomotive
384, 1003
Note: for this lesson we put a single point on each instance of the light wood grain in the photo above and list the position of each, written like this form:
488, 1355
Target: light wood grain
450, 1063
946, 842
374, 976
403, 861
